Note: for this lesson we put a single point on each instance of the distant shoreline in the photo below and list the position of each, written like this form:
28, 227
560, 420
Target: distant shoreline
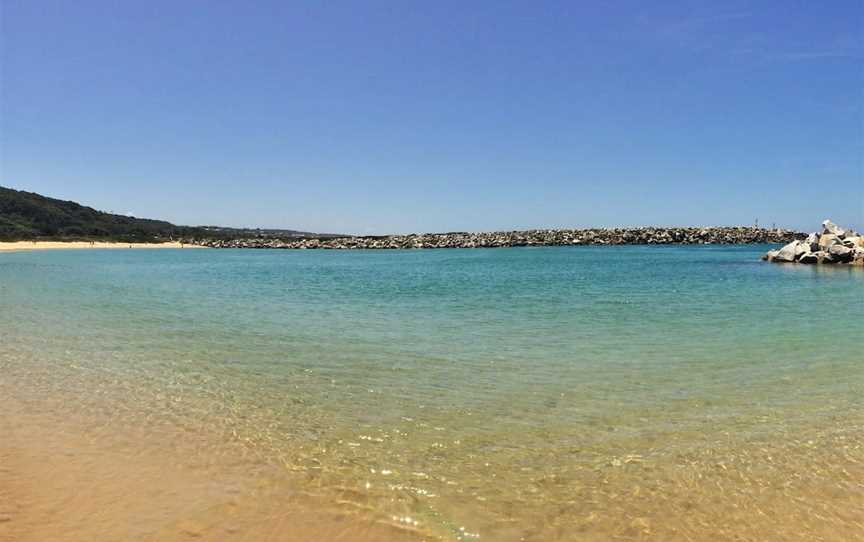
16, 246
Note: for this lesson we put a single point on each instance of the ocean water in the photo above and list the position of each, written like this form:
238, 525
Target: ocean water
567, 393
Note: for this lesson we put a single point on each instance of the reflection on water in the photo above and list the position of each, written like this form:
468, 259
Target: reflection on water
525, 394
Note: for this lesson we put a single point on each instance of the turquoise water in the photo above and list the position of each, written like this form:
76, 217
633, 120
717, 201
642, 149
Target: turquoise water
511, 394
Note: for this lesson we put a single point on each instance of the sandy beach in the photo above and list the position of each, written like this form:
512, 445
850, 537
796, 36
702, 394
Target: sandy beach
68, 476
58, 245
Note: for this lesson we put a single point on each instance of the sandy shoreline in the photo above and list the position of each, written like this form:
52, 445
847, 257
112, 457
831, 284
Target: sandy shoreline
79, 476
54, 245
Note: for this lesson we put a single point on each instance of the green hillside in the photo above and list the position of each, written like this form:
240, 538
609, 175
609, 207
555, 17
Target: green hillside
27, 216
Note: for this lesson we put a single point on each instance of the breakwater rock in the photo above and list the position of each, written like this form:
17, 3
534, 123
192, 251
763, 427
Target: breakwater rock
555, 237
833, 245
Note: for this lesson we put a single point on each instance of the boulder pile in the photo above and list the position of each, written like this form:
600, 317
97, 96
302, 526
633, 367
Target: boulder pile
556, 237
834, 245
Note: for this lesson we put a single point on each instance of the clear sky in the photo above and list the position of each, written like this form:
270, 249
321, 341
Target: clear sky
377, 117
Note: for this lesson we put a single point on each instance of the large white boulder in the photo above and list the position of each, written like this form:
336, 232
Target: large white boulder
827, 239
789, 252
832, 228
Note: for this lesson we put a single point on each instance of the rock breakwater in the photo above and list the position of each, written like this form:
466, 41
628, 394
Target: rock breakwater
833, 245
552, 237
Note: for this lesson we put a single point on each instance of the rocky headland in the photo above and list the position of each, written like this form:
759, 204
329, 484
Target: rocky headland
552, 237
833, 245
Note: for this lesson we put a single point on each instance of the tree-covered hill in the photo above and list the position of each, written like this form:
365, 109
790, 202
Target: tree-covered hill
26, 216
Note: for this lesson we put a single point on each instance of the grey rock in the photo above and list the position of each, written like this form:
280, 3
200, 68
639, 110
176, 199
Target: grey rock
557, 237
841, 253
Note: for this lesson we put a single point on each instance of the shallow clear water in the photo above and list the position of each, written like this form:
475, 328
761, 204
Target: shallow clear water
510, 394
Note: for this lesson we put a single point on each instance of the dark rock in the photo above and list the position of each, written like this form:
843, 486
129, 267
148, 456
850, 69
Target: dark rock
810, 257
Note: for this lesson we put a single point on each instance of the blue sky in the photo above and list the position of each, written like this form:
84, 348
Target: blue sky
376, 117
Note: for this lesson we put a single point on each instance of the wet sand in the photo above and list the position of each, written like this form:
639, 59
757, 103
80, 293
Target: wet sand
56, 245
80, 480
